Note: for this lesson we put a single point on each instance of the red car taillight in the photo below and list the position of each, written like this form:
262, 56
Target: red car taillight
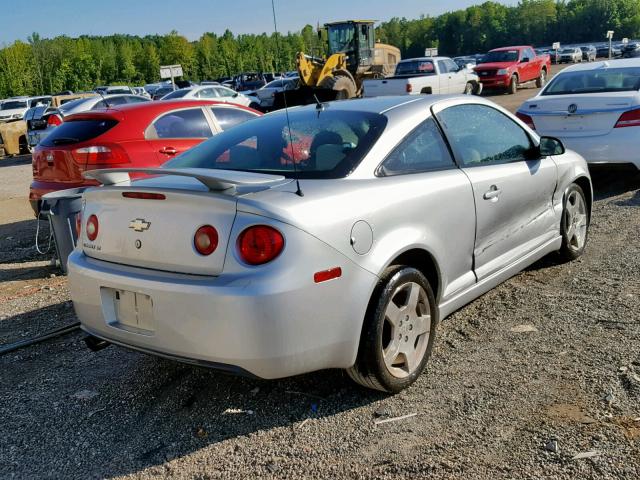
92, 228
526, 119
101, 155
78, 224
629, 119
260, 244
54, 120
206, 240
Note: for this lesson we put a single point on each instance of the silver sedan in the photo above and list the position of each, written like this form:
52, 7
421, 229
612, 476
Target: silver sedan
335, 237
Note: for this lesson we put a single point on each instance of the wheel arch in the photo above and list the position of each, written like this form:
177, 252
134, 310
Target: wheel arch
424, 261
584, 183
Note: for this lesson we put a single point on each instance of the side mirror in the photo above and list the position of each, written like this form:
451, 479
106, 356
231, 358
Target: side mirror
550, 146
525, 60
235, 95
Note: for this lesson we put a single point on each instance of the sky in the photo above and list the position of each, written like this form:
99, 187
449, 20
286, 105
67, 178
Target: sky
192, 18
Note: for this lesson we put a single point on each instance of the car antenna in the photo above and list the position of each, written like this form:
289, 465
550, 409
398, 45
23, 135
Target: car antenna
319, 104
286, 109
106, 103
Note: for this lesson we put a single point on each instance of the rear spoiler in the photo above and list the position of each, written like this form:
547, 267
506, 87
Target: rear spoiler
214, 180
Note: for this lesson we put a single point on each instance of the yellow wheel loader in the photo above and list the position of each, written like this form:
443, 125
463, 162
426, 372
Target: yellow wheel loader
353, 57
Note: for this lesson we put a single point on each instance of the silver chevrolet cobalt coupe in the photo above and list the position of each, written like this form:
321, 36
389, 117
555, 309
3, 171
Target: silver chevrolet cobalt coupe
332, 236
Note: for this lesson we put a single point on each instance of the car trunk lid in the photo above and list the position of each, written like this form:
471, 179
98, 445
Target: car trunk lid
578, 115
156, 231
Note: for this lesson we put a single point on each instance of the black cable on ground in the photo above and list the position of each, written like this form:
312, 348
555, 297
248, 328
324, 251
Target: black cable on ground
12, 347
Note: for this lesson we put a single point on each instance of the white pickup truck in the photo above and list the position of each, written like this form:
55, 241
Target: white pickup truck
427, 75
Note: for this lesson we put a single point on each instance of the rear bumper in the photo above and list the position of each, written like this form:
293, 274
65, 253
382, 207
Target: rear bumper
270, 326
617, 147
39, 188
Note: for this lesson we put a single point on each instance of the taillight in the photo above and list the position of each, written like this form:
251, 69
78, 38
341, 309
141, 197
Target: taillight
260, 244
409, 88
78, 224
92, 228
144, 195
526, 119
629, 119
54, 120
101, 155
206, 240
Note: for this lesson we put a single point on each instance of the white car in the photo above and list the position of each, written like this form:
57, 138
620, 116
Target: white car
209, 92
265, 96
594, 109
13, 109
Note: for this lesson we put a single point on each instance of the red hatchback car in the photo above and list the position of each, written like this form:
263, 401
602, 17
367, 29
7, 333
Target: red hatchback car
142, 135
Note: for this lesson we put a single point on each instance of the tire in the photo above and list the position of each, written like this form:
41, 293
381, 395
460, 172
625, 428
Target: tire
342, 85
574, 225
395, 322
513, 86
542, 79
469, 88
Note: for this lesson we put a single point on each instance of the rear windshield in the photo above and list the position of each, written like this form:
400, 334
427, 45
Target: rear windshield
77, 131
326, 144
595, 81
501, 56
176, 94
417, 67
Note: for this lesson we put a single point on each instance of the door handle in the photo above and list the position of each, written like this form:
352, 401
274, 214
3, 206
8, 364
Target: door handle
168, 150
493, 193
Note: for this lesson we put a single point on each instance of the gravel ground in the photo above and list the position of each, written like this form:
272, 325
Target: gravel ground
541, 369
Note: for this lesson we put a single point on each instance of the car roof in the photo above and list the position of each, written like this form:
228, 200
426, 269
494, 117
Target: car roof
147, 110
423, 58
515, 47
621, 63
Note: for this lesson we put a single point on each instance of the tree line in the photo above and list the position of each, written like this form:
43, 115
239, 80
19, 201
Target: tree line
39, 65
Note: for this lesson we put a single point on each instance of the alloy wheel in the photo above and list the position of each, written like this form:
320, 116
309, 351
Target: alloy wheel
576, 221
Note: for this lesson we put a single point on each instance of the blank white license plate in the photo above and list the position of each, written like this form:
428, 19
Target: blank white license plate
131, 311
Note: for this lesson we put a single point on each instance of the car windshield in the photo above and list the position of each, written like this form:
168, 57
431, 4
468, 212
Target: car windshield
13, 104
176, 94
595, 81
67, 107
341, 38
416, 67
567, 50
323, 144
274, 84
500, 56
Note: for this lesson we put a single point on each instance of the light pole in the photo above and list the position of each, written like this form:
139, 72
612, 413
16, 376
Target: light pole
610, 37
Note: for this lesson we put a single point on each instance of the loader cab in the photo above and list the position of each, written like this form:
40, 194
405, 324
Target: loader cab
356, 39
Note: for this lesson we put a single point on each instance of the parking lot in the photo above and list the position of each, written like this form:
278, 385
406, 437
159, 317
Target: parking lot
549, 356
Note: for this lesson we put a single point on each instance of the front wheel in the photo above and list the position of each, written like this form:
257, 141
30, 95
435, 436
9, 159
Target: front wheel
468, 89
542, 79
513, 85
574, 226
398, 332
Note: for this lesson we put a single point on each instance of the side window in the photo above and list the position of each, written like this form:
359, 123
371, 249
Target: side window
452, 66
189, 123
230, 117
224, 92
442, 66
481, 135
207, 93
529, 54
99, 105
423, 150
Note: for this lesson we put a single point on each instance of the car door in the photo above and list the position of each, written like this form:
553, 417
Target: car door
445, 78
178, 130
513, 195
457, 77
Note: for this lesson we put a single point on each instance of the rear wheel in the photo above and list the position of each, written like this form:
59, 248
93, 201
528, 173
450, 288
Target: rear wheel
574, 226
542, 79
342, 85
398, 332
513, 85
468, 89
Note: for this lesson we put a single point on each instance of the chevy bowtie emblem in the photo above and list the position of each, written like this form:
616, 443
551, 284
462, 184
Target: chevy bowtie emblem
139, 225
573, 108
